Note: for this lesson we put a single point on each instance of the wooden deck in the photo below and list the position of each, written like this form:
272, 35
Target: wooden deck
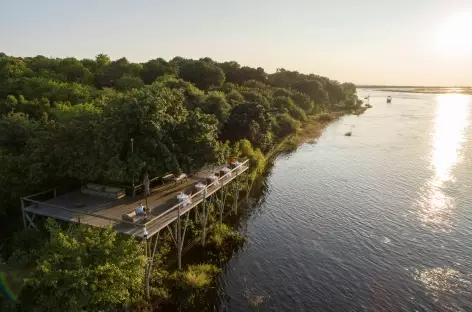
101, 212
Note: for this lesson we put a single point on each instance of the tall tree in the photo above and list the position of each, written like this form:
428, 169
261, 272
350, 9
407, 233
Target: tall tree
251, 121
157, 68
203, 74
215, 104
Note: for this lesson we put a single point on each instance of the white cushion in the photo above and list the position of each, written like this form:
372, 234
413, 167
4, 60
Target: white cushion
95, 187
111, 189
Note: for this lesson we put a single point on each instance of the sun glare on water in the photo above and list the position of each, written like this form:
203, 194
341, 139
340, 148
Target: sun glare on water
453, 37
448, 138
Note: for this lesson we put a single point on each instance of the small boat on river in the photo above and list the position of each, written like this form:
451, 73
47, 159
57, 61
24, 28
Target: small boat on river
389, 99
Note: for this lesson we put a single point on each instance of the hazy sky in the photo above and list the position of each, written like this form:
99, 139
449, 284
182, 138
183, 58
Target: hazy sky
415, 42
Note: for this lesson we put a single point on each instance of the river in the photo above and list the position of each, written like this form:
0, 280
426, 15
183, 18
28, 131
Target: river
379, 221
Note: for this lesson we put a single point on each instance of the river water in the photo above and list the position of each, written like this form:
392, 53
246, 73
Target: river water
379, 221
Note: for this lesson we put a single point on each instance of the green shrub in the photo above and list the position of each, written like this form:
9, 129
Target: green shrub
197, 276
286, 125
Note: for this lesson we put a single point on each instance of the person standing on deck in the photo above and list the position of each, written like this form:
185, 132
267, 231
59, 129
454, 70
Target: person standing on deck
141, 210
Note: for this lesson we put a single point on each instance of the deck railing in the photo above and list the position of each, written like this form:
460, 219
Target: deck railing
194, 197
197, 195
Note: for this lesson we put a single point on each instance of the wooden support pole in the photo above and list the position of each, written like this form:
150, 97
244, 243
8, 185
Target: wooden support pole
146, 265
236, 197
175, 234
31, 221
23, 212
183, 234
221, 204
247, 188
204, 217
148, 270
179, 240
147, 276
172, 236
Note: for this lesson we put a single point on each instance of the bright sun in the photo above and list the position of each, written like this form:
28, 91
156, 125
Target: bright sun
454, 35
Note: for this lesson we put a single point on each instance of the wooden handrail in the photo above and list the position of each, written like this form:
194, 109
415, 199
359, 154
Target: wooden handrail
173, 208
43, 192
130, 186
85, 213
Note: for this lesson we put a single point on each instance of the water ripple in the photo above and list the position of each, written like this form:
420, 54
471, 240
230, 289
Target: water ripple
380, 221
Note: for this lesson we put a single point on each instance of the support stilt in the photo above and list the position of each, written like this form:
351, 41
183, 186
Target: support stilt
172, 235
23, 212
146, 265
224, 193
221, 204
247, 188
182, 240
236, 197
179, 240
204, 217
179, 236
30, 219
149, 264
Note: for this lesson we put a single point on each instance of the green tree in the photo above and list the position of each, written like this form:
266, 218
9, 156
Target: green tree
237, 74
68, 147
215, 104
255, 97
194, 97
75, 71
250, 121
8, 105
314, 89
285, 125
302, 100
157, 68
11, 68
144, 115
126, 83
282, 102
203, 74
110, 72
81, 269
195, 141
234, 98
335, 92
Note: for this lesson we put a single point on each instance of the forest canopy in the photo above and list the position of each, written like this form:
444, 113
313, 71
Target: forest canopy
65, 121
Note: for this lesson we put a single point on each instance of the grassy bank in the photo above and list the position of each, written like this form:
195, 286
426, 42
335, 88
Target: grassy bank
309, 131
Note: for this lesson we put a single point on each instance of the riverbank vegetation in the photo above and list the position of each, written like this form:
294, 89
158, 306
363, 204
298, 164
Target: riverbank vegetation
68, 121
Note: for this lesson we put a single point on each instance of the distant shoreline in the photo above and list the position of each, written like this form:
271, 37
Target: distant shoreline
428, 90
410, 87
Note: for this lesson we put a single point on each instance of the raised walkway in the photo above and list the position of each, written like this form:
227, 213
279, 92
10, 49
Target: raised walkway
102, 212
